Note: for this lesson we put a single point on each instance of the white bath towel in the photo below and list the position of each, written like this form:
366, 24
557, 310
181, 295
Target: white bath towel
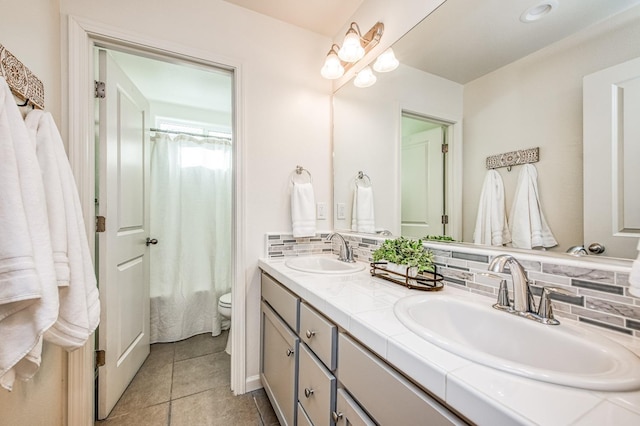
53, 191
303, 205
528, 226
79, 312
491, 223
18, 276
362, 212
22, 324
634, 276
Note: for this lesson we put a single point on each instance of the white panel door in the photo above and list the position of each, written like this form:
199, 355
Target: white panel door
123, 199
611, 152
422, 182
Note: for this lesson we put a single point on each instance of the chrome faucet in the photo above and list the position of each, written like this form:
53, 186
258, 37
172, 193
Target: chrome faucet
523, 303
522, 297
346, 253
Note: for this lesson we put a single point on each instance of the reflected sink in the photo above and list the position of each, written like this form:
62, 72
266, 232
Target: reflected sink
563, 354
323, 265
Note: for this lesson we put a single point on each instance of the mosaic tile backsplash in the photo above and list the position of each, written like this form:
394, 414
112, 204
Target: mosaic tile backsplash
598, 297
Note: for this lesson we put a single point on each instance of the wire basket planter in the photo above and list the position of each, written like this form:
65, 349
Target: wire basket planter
408, 276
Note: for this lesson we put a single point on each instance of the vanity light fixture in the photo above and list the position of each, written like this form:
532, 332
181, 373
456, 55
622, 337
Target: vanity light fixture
386, 61
365, 78
354, 47
538, 11
332, 68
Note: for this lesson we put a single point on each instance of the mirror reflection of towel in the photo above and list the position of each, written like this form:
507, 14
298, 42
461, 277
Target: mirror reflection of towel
362, 213
303, 204
528, 226
491, 223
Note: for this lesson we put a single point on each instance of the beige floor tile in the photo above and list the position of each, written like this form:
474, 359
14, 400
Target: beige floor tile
202, 344
214, 407
149, 387
199, 374
267, 414
157, 415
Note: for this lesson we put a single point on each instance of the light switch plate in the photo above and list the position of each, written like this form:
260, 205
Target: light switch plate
321, 210
340, 207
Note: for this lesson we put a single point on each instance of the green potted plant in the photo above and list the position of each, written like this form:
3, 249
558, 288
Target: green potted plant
405, 256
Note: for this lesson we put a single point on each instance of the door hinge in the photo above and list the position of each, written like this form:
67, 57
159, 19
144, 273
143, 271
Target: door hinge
101, 223
100, 357
101, 89
445, 148
445, 219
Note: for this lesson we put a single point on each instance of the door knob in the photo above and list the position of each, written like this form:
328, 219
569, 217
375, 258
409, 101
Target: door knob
151, 241
596, 248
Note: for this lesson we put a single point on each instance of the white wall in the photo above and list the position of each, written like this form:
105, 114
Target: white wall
367, 135
537, 101
285, 107
30, 30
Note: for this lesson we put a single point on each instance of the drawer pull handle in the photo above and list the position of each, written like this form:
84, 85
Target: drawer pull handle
336, 416
289, 352
310, 334
308, 392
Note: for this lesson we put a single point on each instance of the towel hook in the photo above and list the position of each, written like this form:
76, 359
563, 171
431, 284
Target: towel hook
24, 104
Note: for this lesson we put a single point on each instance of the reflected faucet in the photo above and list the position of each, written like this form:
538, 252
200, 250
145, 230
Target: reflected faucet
522, 297
346, 253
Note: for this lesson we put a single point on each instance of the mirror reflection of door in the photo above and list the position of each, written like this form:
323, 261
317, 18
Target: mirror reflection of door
422, 176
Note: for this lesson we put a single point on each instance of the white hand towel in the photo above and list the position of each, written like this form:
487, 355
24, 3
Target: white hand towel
22, 329
528, 226
79, 303
634, 276
491, 223
303, 208
362, 212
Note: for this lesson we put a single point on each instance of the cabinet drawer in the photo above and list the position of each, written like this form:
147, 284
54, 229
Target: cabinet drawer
303, 419
319, 334
348, 412
285, 303
279, 364
316, 388
382, 392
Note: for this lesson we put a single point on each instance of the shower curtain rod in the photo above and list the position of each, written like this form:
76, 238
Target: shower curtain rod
175, 132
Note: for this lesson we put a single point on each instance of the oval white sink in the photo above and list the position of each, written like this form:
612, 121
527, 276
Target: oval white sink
323, 265
561, 354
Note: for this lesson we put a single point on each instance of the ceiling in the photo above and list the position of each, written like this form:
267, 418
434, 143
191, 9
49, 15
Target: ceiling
466, 39
324, 17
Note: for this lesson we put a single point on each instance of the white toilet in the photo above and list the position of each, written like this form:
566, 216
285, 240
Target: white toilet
224, 309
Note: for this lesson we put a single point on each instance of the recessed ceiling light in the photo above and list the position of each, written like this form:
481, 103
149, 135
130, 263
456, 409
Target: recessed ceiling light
538, 11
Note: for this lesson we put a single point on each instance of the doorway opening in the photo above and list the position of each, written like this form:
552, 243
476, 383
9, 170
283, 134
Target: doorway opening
423, 165
164, 179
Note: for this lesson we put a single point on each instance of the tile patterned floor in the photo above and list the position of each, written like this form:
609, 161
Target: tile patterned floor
187, 383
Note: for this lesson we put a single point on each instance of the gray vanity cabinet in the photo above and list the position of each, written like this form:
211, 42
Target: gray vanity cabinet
279, 348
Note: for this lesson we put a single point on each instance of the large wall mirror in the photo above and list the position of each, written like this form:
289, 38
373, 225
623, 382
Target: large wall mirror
475, 81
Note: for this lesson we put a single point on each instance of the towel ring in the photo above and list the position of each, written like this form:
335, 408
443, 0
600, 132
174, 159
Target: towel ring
361, 176
299, 170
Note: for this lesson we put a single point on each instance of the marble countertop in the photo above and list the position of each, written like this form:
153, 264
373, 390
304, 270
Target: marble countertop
363, 306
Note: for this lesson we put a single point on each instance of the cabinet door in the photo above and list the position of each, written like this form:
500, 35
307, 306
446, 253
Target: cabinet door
348, 412
316, 388
279, 365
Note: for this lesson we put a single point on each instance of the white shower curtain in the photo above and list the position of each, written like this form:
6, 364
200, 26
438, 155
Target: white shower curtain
191, 219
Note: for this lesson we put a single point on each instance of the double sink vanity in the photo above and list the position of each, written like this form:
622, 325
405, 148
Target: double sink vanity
342, 347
